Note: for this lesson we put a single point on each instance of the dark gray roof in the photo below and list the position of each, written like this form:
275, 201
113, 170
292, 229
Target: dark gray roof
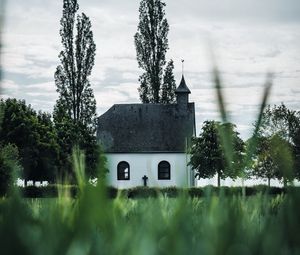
182, 88
146, 128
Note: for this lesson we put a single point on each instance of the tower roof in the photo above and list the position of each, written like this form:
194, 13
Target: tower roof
182, 88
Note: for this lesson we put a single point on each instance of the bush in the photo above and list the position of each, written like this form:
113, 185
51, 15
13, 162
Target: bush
48, 191
142, 192
149, 192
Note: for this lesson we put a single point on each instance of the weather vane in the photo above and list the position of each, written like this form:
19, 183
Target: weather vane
182, 62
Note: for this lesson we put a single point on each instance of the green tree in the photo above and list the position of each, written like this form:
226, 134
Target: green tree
77, 60
48, 148
297, 151
273, 159
75, 109
281, 121
19, 128
9, 166
208, 154
35, 137
264, 165
169, 85
281, 125
151, 42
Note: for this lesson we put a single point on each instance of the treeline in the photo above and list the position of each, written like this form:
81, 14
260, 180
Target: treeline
274, 150
39, 145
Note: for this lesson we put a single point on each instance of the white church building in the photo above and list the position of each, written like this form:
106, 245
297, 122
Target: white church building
147, 144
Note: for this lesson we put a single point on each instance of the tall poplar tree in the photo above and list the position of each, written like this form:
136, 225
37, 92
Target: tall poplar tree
75, 109
169, 85
151, 42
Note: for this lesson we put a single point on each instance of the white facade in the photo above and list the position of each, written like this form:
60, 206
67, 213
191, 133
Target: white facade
146, 164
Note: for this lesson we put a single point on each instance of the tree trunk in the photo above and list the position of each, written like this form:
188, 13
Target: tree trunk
269, 182
25, 182
219, 180
243, 187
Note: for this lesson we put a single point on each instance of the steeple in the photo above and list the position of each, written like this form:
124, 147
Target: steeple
182, 88
182, 93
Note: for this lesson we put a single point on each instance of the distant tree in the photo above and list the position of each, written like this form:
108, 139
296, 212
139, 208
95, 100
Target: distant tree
34, 136
48, 148
77, 60
169, 85
151, 42
273, 159
9, 166
297, 151
281, 121
282, 124
264, 166
75, 109
208, 155
19, 128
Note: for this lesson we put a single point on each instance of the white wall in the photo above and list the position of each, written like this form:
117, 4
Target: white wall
147, 164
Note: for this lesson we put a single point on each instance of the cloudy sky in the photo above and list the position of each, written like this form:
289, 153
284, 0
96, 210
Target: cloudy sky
248, 38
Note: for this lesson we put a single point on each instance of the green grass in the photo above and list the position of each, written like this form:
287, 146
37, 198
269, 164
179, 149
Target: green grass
94, 224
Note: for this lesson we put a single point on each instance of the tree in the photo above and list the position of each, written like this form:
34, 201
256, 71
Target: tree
208, 155
77, 60
75, 109
151, 44
34, 136
48, 148
297, 151
9, 166
19, 128
264, 165
169, 85
281, 121
281, 125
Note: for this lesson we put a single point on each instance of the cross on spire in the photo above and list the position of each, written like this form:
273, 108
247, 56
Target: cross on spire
182, 63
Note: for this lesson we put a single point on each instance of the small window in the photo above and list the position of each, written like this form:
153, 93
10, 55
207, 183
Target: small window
164, 170
123, 171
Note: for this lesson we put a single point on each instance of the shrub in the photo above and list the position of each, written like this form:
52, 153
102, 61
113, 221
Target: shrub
149, 192
48, 191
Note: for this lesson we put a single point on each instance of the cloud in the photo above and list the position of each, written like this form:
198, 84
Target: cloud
9, 85
249, 39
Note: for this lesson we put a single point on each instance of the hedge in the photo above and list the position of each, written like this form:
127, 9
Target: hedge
148, 192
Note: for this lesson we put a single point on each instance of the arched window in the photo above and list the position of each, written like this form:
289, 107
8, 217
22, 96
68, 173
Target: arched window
123, 171
164, 170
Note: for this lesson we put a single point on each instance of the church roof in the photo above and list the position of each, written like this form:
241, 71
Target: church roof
182, 88
128, 128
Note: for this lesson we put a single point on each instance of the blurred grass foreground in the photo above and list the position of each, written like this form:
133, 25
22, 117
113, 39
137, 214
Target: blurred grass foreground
92, 223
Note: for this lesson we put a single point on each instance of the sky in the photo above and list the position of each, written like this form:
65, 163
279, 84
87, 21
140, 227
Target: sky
248, 39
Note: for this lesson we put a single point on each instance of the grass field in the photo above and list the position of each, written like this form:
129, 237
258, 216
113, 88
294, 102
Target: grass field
93, 224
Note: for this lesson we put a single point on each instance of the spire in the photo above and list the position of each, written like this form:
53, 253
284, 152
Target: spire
182, 88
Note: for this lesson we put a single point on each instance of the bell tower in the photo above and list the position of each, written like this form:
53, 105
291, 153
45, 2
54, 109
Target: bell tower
182, 94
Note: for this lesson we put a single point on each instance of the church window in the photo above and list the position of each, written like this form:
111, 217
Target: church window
123, 171
164, 170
